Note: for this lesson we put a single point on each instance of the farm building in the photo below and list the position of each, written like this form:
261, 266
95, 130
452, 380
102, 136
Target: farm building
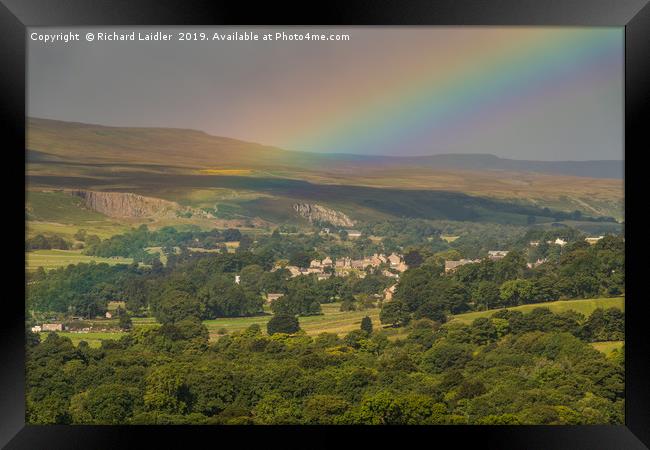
293, 270
536, 263
593, 240
451, 266
343, 262
394, 260
273, 296
354, 234
36, 329
52, 327
377, 260
497, 254
389, 292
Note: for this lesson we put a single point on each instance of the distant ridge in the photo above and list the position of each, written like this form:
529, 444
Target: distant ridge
593, 169
52, 140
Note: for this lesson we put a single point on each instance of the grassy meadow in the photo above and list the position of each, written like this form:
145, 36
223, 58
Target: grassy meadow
584, 307
331, 321
94, 339
53, 259
608, 347
335, 321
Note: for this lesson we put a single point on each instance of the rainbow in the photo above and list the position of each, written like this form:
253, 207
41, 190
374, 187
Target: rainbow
452, 94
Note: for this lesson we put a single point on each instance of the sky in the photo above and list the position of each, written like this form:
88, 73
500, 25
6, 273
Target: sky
515, 92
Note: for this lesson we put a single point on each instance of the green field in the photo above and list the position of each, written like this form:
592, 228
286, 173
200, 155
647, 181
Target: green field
607, 347
334, 321
585, 307
53, 259
58, 213
94, 339
59, 207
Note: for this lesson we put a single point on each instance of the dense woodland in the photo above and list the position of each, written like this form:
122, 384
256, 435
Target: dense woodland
510, 368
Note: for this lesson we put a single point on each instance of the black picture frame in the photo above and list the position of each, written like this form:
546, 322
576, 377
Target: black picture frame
634, 15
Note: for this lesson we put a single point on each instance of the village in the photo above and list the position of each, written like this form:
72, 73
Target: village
390, 265
394, 264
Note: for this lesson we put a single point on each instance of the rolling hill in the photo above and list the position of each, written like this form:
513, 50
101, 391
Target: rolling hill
78, 142
196, 169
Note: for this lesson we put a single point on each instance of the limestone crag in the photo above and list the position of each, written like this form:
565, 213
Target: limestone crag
318, 213
124, 204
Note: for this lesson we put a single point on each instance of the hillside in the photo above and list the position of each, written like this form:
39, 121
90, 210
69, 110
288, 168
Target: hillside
191, 148
174, 164
585, 307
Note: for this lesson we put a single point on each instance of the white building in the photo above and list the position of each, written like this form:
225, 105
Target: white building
353, 234
270, 297
497, 254
451, 266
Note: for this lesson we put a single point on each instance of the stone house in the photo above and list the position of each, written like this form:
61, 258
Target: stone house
293, 270
343, 262
389, 292
52, 327
394, 260
273, 296
451, 266
354, 234
497, 254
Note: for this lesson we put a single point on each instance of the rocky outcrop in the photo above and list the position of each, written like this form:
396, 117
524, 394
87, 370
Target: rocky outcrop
125, 204
318, 213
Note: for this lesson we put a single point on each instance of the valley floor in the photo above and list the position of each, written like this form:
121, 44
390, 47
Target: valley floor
342, 322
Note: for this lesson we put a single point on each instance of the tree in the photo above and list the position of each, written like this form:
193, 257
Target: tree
457, 298
109, 404
394, 313
348, 303
366, 324
191, 328
175, 305
300, 259
516, 292
125, 322
433, 311
413, 259
231, 235
80, 235
283, 323
443, 356
486, 294
135, 293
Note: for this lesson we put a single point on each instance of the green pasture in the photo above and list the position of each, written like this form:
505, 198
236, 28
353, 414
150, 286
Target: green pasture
53, 259
585, 307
